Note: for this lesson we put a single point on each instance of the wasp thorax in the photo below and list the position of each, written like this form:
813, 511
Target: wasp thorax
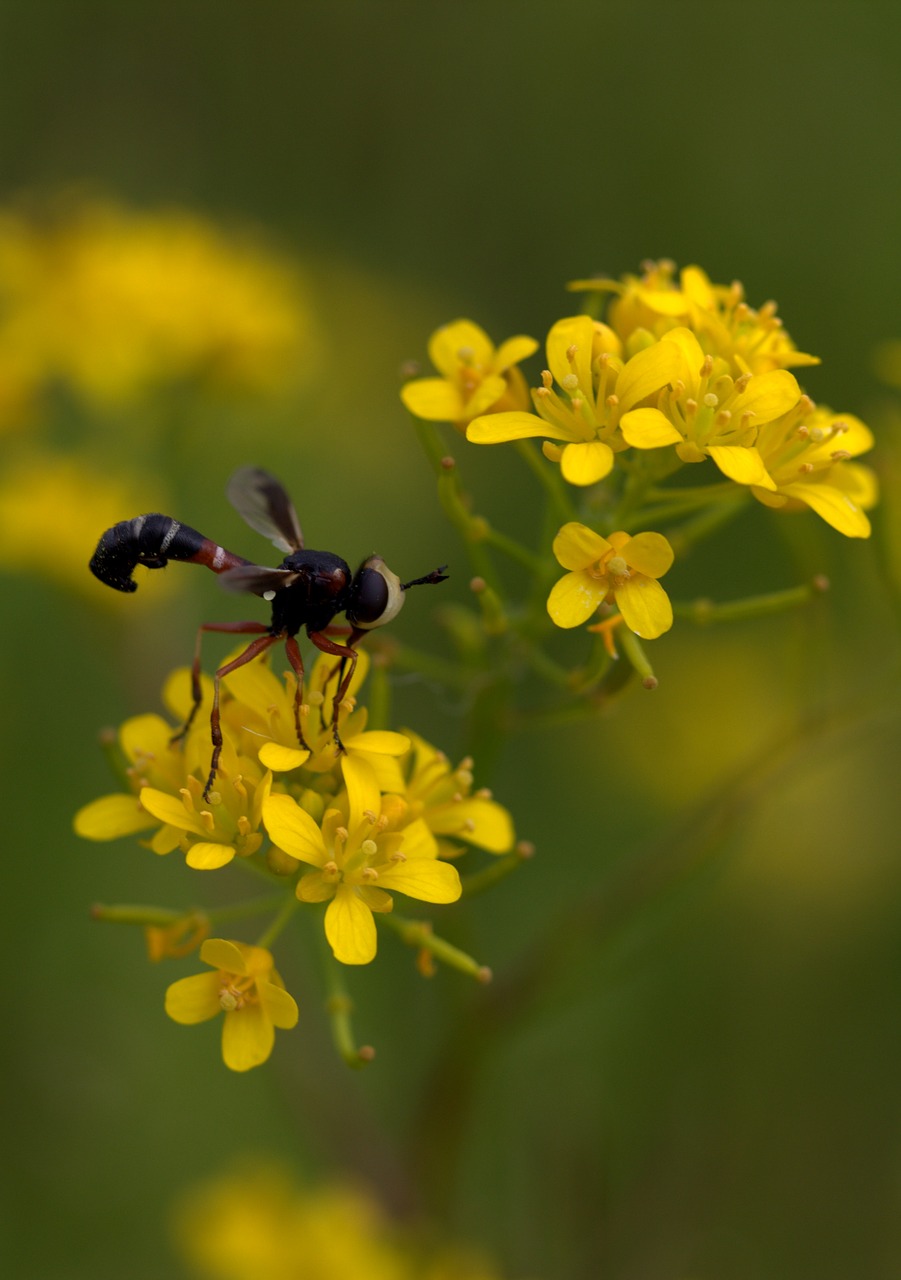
376, 595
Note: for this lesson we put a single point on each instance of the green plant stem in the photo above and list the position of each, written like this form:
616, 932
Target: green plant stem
418, 934
706, 611
548, 476
288, 907
339, 1008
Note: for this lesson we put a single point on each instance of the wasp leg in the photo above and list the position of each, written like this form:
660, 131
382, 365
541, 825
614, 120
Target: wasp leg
256, 647
292, 648
235, 628
348, 654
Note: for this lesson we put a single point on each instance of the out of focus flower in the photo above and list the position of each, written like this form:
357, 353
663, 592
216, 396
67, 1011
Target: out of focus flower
64, 498
259, 1223
619, 569
477, 377
113, 303
247, 989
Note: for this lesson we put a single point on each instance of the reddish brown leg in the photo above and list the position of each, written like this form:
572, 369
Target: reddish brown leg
292, 648
347, 653
252, 651
234, 628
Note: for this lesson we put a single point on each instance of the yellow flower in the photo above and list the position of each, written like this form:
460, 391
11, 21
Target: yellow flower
752, 341
260, 714
619, 568
439, 801
477, 376
596, 387
807, 459
177, 939
165, 783
704, 412
247, 989
357, 861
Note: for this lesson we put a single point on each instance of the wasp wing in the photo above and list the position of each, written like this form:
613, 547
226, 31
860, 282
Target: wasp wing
257, 579
260, 500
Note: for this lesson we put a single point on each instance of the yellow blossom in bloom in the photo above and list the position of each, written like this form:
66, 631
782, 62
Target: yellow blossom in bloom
440, 801
619, 568
357, 862
115, 302
477, 377
596, 386
705, 412
247, 989
260, 713
807, 456
165, 781
752, 341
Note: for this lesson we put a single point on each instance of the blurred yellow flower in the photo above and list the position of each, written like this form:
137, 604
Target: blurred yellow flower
247, 989
620, 568
51, 495
259, 1223
113, 303
477, 377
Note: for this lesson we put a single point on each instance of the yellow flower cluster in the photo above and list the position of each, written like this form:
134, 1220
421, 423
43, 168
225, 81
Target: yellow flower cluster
112, 303
388, 815
679, 370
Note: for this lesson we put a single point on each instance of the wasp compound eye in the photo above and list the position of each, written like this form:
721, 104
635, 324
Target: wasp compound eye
376, 595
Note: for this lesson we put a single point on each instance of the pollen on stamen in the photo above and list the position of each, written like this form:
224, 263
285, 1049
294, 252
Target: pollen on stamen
747, 417
741, 383
330, 870
612, 401
571, 353
840, 455
229, 1000
369, 873
244, 827
469, 825
547, 378
207, 818
186, 798
707, 367
724, 417
341, 834
370, 816
398, 857
806, 468
484, 793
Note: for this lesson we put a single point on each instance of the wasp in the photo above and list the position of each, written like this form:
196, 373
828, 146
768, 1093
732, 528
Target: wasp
308, 589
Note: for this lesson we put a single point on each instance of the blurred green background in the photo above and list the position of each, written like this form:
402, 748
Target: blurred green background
706, 1083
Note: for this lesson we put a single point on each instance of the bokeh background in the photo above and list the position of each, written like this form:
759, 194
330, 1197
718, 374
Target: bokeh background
705, 1083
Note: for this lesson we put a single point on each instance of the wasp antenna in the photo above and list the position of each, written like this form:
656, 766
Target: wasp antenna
437, 575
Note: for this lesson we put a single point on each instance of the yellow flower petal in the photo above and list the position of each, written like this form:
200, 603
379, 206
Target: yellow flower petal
649, 553
769, 395
350, 928
111, 817
515, 425
434, 399
247, 1038
573, 331
293, 830
484, 823
280, 759
280, 1008
230, 957
832, 505
574, 599
362, 789
645, 606
446, 344
744, 466
576, 546
142, 734
194, 999
513, 351
647, 372
383, 741
586, 463
648, 429
170, 809
205, 855
487, 393
428, 879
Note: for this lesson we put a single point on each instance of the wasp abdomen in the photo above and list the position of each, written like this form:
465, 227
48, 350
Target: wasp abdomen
153, 540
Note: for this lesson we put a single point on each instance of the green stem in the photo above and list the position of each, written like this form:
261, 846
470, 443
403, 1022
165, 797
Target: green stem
548, 476
339, 1008
289, 906
418, 934
496, 870
706, 611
